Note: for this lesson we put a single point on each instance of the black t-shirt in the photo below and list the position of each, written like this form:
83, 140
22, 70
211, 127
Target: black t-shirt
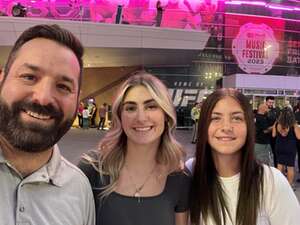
117, 209
262, 123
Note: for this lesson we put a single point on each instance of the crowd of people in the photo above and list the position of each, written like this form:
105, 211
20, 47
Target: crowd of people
138, 174
87, 113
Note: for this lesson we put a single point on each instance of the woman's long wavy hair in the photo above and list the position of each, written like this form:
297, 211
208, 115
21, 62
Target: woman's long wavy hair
112, 148
207, 196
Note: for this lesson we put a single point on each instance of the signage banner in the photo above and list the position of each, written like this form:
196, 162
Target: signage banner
254, 45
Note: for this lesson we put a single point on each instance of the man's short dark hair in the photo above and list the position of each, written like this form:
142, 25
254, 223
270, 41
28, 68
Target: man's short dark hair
51, 32
270, 98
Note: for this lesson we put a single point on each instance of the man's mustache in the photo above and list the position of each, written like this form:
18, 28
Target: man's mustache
47, 110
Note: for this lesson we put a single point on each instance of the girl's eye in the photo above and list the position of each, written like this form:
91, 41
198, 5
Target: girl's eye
215, 118
238, 118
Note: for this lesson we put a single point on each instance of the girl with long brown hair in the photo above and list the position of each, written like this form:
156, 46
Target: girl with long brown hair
229, 187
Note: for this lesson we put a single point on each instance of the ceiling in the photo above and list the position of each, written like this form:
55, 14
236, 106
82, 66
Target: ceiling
115, 57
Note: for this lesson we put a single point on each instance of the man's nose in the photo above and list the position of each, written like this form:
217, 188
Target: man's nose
43, 93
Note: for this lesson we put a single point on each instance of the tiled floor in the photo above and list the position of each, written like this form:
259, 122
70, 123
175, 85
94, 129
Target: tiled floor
78, 141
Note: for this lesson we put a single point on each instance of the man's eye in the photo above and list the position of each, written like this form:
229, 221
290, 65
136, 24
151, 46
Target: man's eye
28, 77
64, 87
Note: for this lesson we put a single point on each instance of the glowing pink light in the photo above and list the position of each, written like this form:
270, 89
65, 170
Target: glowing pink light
280, 7
259, 3
233, 3
246, 2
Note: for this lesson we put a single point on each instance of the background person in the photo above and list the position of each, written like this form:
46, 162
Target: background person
286, 132
229, 185
39, 90
195, 114
102, 116
272, 116
137, 173
262, 148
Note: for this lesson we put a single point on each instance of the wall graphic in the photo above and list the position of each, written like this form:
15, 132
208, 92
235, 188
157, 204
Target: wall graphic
259, 45
255, 48
190, 14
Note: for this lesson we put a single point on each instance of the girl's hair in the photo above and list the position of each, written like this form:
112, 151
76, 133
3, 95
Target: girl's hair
112, 148
286, 118
207, 196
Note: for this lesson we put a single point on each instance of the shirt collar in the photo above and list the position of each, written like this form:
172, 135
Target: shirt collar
50, 172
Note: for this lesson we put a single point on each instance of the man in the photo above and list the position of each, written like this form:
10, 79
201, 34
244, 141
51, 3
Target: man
263, 133
272, 115
39, 90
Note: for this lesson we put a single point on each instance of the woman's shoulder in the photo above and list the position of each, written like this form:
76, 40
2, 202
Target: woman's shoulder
89, 164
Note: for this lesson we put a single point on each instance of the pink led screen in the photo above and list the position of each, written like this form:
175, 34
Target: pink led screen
191, 14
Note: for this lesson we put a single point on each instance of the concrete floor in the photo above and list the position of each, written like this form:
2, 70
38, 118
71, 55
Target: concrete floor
78, 141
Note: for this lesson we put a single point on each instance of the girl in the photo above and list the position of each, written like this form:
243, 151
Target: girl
229, 186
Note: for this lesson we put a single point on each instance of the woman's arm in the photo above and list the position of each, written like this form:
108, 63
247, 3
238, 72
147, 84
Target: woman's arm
274, 129
297, 131
181, 218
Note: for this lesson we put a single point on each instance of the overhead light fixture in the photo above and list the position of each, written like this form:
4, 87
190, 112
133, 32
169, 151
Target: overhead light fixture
19, 10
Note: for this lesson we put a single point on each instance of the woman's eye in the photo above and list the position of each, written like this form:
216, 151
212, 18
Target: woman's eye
152, 107
129, 108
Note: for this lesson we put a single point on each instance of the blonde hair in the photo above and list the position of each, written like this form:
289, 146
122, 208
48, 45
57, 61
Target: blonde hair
112, 148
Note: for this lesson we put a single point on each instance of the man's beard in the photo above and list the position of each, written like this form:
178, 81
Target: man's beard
32, 136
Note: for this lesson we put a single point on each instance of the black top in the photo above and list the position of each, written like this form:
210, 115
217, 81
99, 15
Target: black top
261, 124
117, 209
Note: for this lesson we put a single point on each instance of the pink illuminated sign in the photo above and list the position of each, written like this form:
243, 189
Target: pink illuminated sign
176, 13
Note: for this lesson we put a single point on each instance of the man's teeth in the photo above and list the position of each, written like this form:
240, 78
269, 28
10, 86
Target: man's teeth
142, 128
38, 116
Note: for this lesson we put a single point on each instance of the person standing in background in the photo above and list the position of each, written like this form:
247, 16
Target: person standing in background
79, 113
262, 148
159, 13
272, 116
287, 133
102, 116
195, 114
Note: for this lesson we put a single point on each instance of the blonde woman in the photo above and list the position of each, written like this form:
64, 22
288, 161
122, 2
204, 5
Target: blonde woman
137, 174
